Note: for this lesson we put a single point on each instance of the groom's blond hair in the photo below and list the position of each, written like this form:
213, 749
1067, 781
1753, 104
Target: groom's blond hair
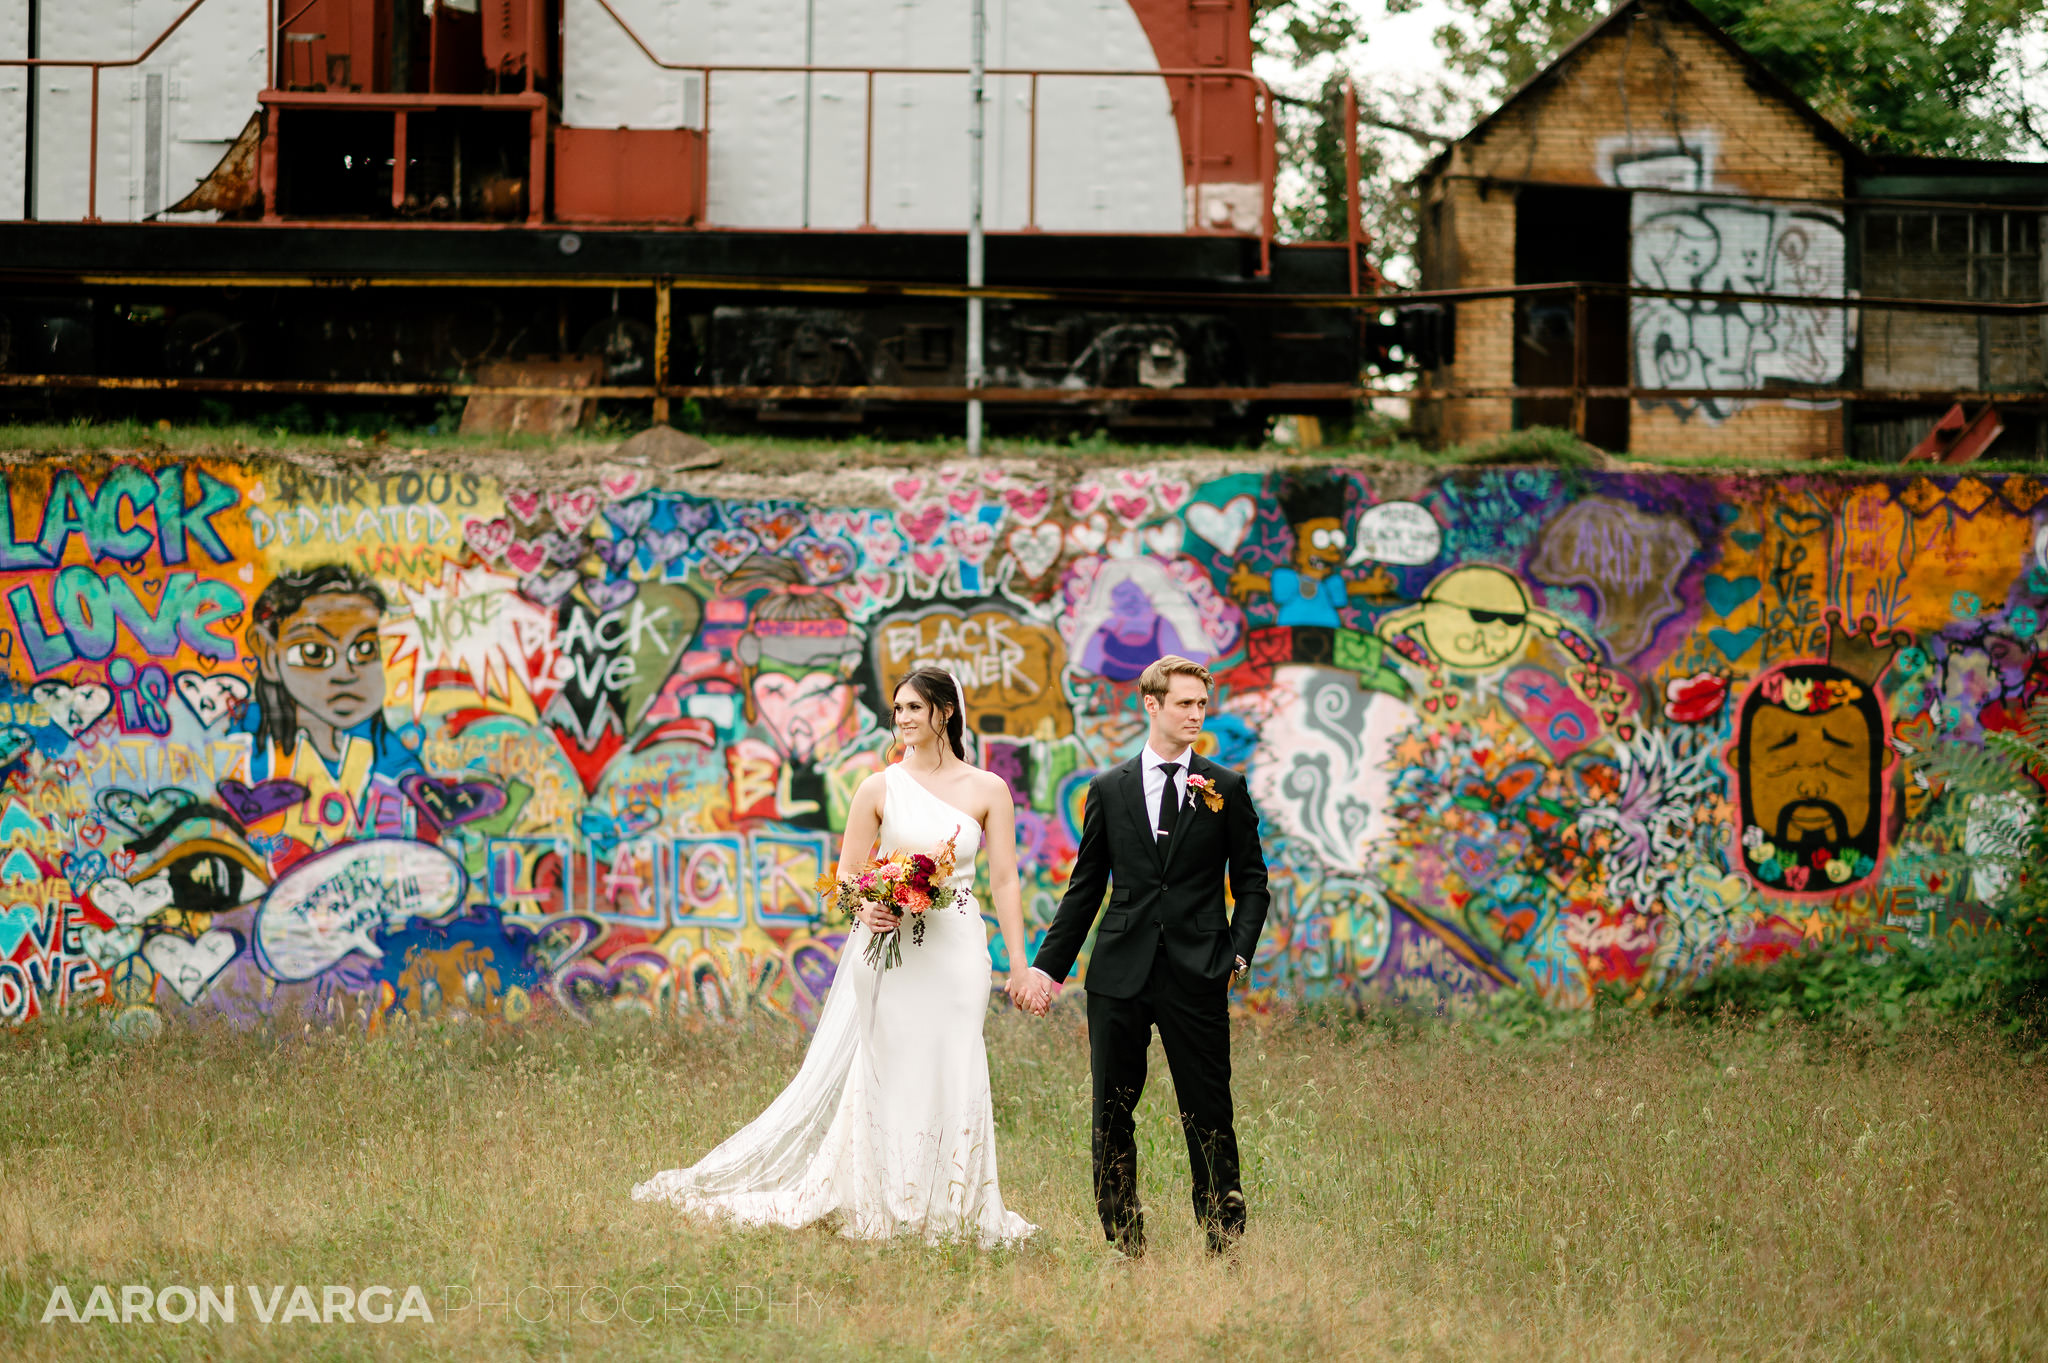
1154, 680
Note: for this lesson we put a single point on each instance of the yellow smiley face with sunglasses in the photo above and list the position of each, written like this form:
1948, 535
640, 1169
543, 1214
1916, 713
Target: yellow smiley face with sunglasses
1473, 618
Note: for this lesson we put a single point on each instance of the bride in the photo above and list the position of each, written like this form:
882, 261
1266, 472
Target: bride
887, 1128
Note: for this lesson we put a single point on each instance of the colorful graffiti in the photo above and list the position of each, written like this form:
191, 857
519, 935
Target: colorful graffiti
360, 746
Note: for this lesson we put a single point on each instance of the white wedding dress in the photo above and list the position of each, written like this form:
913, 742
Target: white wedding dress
887, 1128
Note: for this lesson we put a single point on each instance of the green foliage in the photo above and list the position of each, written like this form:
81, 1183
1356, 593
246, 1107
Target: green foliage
1299, 31
1926, 77
2000, 977
1917, 77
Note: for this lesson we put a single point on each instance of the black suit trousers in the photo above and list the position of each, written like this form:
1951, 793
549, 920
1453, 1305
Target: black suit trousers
1193, 1018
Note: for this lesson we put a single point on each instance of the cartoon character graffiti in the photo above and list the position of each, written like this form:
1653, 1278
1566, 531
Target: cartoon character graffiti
797, 658
317, 709
1126, 613
1809, 761
1309, 594
1471, 619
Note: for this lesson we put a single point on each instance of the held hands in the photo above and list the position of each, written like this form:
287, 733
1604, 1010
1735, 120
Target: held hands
1031, 990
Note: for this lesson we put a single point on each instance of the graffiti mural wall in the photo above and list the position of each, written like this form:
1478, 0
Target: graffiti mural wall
430, 743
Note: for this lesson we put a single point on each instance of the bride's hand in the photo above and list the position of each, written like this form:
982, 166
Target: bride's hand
876, 919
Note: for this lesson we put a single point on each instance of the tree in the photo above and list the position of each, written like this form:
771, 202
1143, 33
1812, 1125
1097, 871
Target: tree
1928, 77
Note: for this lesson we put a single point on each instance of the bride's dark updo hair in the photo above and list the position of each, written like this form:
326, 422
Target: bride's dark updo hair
935, 688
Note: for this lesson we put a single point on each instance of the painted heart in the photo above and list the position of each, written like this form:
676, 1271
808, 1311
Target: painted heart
122, 861
608, 594
1451, 701
665, 546
1083, 498
880, 547
993, 477
616, 554
140, 813
774, 529
107, 946
1748, 539
928, 564
1036, 549
630, 518
1087, 537
837, 525
14, 925
212, 699
964, 503
523, 504
449, 803
823, 560
92, 832
74, 709
1127, 544
253, 804
1223, 526
565, 550
1733, 643
1130, 509
1028, 504
621, 484
488, 538
548, 589
15, 743
1729, 594
907, 490
972, 540
130, 905
83, 868
1171, 492
525, 556
191, 965
1163, 540
951, 474
727, 548
574, 509
1137, 480
1797, 521
922, 526
692, 517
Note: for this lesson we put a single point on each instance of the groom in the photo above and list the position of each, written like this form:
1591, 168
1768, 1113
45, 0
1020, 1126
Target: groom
1165, 829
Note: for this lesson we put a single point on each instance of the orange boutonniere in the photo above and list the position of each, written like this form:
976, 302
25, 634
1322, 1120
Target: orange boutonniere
1204, 787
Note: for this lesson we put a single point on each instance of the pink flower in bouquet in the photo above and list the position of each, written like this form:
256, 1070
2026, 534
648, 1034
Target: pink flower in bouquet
888, 870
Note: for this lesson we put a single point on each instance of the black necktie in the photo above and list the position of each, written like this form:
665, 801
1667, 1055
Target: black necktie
1169, 804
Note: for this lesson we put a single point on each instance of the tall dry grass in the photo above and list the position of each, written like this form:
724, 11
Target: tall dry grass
1658, 1192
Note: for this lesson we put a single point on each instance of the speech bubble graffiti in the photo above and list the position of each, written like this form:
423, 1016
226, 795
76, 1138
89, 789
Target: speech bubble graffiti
1396, 532
330, 904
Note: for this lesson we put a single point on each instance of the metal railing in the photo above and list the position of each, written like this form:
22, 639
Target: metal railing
1427, 385
33, 64
1194, 78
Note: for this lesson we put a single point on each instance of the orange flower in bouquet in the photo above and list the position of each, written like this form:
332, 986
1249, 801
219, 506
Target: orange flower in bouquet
901, 883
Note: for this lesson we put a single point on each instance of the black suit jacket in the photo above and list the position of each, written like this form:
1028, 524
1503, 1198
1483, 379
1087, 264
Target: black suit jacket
1180, 890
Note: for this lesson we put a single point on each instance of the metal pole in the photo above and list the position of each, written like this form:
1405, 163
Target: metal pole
975, 273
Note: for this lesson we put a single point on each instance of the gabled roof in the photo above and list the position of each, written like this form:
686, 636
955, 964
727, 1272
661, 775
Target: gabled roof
1758, 75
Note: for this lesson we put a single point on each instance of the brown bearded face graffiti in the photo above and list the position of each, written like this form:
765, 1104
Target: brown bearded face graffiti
1810, 756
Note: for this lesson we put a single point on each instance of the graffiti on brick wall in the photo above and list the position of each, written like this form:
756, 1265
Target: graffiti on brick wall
415, 744
1769, 250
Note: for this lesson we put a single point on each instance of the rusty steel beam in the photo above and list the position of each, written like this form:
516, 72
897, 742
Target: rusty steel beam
1059, 397
999, 292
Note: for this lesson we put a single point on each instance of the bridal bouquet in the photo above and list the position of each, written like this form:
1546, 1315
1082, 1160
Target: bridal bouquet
900, 883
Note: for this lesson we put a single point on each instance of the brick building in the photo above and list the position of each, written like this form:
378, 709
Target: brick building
1655, 151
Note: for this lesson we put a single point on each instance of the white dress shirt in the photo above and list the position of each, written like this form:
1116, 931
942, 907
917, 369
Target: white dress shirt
1153, 769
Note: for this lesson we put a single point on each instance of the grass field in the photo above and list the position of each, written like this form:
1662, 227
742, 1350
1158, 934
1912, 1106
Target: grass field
1655, 1191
